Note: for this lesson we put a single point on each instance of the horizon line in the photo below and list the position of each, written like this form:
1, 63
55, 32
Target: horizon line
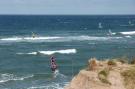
69, 14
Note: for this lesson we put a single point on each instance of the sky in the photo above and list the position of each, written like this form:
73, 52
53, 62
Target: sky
67, 7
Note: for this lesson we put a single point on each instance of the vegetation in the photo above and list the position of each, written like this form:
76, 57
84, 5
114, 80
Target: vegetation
111, 62
129, 78
102, 75
123, 61
128, 74
132, 61
92, 64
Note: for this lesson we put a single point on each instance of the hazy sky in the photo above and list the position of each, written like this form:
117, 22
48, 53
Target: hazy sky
85, 7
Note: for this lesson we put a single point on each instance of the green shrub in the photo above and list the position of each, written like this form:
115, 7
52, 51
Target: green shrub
102, 75
111, 62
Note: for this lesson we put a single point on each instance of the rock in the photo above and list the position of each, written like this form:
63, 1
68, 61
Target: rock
89, 79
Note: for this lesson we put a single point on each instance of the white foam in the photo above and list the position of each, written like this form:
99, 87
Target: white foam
28, 38
32, 53
95, 38
85, 37
54, 85
57, 38
40, 38
11, 39
50, 86
58, 74
7, 77
128, 36
66, 51
128, 33
111, 33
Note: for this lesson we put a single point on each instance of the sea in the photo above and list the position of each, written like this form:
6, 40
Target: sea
27, 43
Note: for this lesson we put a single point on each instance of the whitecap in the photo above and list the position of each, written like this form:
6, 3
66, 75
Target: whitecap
51, 86
57, 38
11, 39
111, 33
54, 85
8, 77
40, 38
57, 74
85, 37
14, 39
128, 36
32, 53
128, 33
65, 51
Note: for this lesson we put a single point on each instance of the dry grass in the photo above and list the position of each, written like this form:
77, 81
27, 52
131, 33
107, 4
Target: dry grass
133, 61
123, 61
103, 75
129, 78
92, 64
111, 62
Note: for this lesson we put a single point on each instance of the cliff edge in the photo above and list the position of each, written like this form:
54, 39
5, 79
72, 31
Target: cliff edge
109, 74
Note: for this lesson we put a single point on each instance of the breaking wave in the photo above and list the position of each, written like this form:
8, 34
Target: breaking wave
50, 86
128, 36
8, 77
128, 33
60, 84
11, 39
27, 38
66, 51
57, 38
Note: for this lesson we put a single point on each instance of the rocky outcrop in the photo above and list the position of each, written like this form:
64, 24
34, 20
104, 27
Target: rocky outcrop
89, 78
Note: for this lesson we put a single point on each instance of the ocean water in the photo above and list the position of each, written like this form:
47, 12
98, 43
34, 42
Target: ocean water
24, 60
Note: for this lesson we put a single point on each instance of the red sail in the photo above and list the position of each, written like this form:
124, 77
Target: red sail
53, 64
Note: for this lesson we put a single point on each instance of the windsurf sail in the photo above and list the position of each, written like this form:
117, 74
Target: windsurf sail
100, 25
129, 22
53, 64
33, 35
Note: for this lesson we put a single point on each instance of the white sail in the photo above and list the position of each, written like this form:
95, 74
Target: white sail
100, 25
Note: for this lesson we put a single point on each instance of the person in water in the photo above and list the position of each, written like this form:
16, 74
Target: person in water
53, 64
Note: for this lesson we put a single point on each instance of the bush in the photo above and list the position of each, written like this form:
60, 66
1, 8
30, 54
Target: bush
111, 62
129, 78
104, 72
92, 64
132, 61
102, 75
123, 61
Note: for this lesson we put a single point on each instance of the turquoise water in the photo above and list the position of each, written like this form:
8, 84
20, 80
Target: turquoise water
71, 39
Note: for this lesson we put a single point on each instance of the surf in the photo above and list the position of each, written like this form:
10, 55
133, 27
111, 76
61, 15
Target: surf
11, 77
128, 33
110, 33
28, 38
57, 38
61, 79
50, 86
64, 51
